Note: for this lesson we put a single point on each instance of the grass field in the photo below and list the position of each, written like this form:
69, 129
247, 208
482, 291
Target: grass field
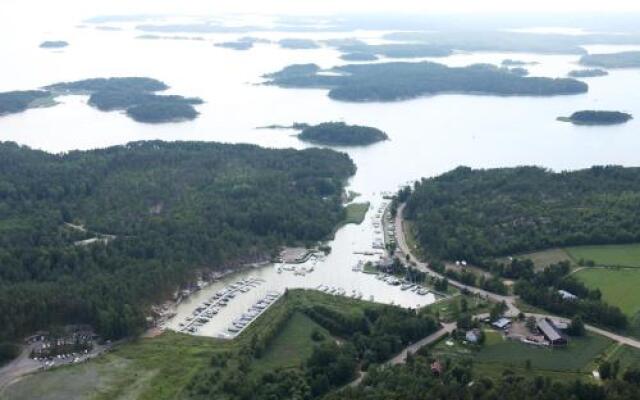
619, 287
161, 367
627, 356
292, 346
577, 356
624, 255
544, 258
498, 354
356, 213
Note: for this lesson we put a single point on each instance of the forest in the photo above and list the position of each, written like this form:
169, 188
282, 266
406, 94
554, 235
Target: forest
626, 59
597, 117
135, 95
401, 80
541, 290
415, 381
171, 210
472, 215
356, 336
19, 101
341, 134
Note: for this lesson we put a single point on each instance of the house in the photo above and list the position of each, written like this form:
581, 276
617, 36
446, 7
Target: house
567, 295
472, 336
551, 333
502, 323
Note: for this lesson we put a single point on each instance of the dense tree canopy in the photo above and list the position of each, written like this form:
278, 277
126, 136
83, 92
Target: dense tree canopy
470, 214
596, 117
18, 101
134, 95
402, 80
172, 208
341, 134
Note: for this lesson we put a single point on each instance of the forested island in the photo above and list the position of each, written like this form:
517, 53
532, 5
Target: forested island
587, 73
627, 59
403, 80
508, 62
396, 50
471, 214
341, 134
298, 44
19, 101
135, 95
238, 45
54, 44
595, 117
359, 57
172, 209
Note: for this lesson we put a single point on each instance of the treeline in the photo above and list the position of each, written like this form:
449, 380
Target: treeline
369, 335
415, 380
170, 209
472, 215
403, 80
542, 291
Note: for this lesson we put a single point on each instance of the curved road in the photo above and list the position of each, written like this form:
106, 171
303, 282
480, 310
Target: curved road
509, 300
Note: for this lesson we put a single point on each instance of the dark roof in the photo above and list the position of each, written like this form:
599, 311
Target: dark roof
548, 330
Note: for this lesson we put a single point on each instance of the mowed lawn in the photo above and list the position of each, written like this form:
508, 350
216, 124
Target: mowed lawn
292, 346
577, 356
619, 287
623, 255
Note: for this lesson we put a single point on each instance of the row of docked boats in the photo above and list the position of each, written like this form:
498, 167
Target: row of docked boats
338, 291
404, 285
252, 313
209, 308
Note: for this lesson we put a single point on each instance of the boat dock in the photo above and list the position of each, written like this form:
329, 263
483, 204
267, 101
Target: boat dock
207, 310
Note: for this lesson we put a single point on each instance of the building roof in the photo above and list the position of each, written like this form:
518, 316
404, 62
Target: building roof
548, 330
567, 295
471, 336
501, 323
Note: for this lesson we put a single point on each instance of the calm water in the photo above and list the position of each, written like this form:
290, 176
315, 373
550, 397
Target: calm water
429, 135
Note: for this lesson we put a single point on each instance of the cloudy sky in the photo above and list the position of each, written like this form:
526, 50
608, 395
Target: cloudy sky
16, 13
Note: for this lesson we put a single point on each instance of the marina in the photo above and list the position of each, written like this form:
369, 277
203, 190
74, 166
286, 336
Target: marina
349, 270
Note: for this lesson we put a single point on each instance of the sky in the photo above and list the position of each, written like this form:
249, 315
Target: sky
14, 13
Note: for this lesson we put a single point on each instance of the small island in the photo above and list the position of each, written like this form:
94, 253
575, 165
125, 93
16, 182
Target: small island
53, 44
395, 50
625, 59
395, 81
592, 117
298, 44
516, 63
239, 45
341, 134
359, 57
587, 73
